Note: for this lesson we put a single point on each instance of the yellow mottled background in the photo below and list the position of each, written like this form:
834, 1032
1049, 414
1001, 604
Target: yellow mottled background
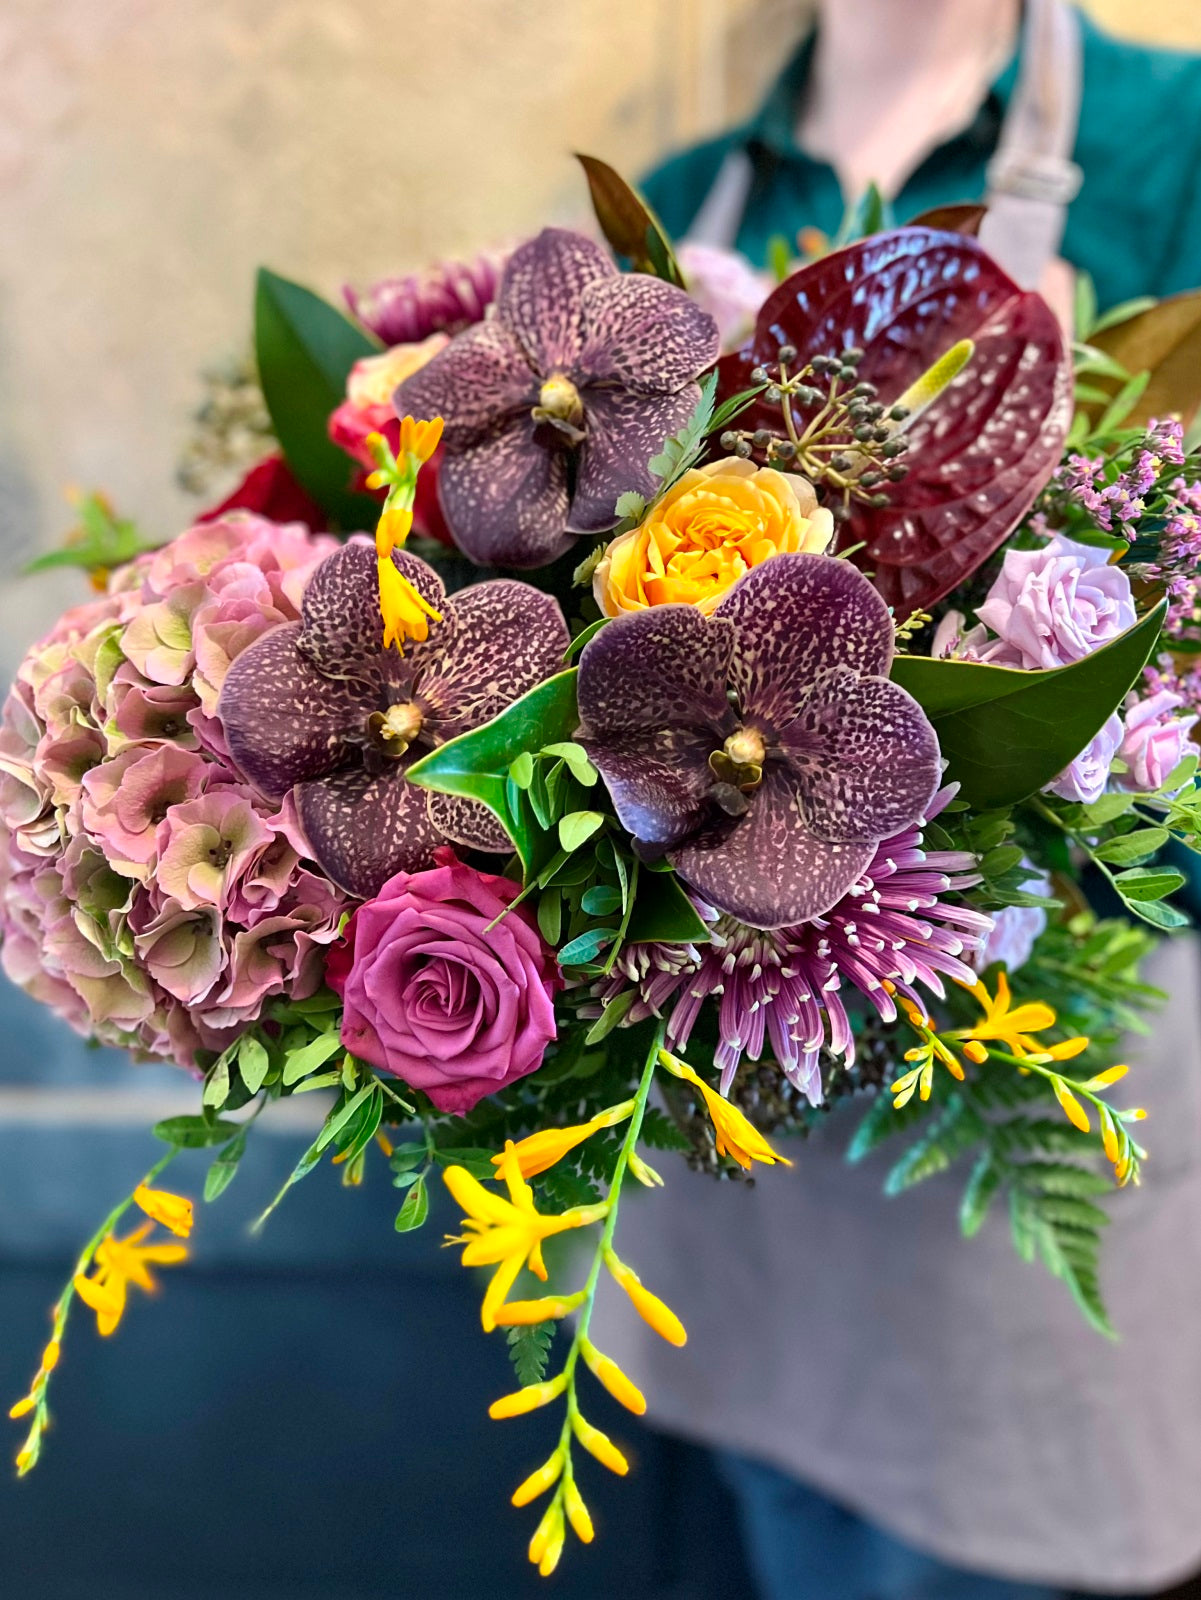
153, 152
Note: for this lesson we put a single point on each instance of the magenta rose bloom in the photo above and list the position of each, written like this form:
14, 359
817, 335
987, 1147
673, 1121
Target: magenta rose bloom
438, 998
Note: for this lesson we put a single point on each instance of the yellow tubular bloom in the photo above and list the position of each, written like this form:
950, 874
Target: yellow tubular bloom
172, 1210
532, 1398
539, 1481
507, 1234
599, 1444
419, 439
120, 1262
577, 1512
1012, 1026
734, 1134
1072, 1109
392, 529
649, 1307
547, 1544
609, 1374
552, 1308
406, 614
539, 1151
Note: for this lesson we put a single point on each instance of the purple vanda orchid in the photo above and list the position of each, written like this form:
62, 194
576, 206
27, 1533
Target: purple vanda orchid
555, 403
763, 750
321, 705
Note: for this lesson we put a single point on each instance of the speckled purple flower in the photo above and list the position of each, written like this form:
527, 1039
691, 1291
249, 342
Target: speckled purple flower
556, 402
762, 749
320, 704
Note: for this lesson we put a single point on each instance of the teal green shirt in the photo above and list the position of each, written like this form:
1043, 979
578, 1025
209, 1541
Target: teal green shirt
1135, 225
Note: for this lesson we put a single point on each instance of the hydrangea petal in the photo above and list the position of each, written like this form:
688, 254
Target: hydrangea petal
796, 617
361, 829
867, 757
768, 868
664, 667
647, 335
467, 822
283, 721
624, 430
659, 781
505, 498
480, 376
541, 291
343, 630
501, 639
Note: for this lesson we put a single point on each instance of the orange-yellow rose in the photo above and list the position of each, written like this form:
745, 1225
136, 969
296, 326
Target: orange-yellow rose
706, 532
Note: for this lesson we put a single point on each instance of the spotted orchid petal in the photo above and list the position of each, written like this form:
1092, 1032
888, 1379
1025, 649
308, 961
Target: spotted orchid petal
480, 377
468, 823
363, 828
624, 430
796, 617
643, 334
506, 499
283, 721
501, 639
343, 633
768, 868
541, 294
661, 668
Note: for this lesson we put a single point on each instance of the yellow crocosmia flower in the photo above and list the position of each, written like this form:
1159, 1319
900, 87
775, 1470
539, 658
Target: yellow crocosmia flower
392, 529
577, 1512
507, 1234
600, 1445
649, 1307
735, 1135
975, 1051
23, 1407
406, 614
1109, 1076
710, 529
547, 1544
1010, 1025
522, 1313
532, 1398
1067, 1048
540, 1151
120, 1262
419, 439
1072, 1109
50, 1355
609, 1374
172, 1210
539, 1481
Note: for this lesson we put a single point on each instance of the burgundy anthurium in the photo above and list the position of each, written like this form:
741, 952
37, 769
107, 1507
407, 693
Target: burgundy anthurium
979, 455
763, 749
319, 706
554, 404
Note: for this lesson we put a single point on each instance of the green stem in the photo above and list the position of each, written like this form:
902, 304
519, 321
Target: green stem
62, 1306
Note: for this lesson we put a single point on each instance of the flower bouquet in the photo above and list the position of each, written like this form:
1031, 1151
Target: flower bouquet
688, 741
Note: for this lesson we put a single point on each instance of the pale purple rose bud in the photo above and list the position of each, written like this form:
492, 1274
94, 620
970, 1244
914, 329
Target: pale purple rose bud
1156, 741
1055, 605
1084, 779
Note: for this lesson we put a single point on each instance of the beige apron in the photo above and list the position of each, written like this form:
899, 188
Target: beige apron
940, 1387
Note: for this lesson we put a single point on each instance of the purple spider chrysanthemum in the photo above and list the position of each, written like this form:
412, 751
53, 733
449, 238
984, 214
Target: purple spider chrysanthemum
554, 404
890, 933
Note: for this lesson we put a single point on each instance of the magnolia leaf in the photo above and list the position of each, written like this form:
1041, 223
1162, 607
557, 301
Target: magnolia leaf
477, 764
963, 217
980, 454
1006, 733
305, 350
1164, 340
628, 223
663, 913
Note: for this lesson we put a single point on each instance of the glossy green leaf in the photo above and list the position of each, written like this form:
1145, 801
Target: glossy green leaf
477, 764
1005, 733
628, 223
305, 350
663, 913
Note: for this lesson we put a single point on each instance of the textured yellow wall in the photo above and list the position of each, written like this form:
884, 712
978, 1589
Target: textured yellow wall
152, 152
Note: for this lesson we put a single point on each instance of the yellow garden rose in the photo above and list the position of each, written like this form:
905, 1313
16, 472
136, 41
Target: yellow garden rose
708, 531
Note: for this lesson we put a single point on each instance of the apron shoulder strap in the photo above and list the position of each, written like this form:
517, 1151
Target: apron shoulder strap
1032, 179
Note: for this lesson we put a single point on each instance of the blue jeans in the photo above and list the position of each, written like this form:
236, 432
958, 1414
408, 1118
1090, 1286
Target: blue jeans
802, 1546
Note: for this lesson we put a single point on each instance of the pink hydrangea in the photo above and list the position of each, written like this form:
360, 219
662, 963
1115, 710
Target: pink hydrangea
147, 893
729, 288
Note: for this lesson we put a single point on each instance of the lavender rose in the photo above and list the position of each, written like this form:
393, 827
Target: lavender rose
1083, 780
1053, 605
437, 997
1156, 740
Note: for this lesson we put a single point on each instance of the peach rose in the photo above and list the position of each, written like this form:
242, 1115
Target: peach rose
708, 531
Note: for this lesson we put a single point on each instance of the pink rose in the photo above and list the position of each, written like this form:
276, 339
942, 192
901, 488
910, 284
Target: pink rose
435, 995
1156, 741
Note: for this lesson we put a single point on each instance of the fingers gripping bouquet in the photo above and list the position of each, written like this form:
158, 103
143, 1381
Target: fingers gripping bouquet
637, 780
